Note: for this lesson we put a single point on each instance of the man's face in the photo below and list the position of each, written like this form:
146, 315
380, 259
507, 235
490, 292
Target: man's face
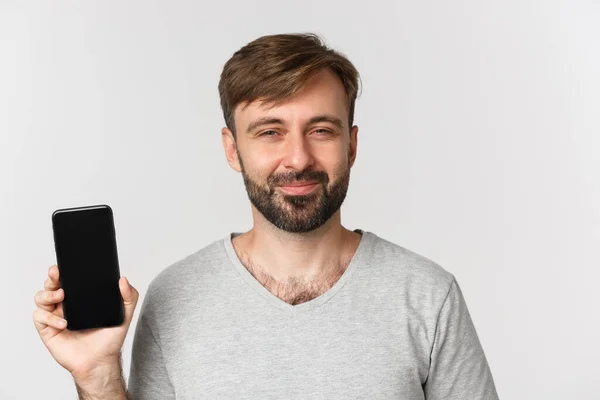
305, 139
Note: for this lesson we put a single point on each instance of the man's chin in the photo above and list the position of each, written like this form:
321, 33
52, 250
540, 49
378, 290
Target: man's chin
296, 221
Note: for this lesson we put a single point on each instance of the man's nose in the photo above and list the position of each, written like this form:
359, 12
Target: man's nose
298, 152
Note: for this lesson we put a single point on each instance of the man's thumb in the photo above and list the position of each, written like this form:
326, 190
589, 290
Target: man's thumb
130, 297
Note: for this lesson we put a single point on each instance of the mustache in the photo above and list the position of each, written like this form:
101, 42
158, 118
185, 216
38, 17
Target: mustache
287, 178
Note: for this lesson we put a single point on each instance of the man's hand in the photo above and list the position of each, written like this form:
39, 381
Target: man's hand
92, 356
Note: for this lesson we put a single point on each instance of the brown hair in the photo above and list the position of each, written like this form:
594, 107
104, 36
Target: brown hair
275, 67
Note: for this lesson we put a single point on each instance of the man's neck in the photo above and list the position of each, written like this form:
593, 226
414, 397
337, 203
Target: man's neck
284, 256
297, 268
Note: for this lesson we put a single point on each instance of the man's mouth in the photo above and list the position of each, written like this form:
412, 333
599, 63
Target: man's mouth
299, 187
303, 183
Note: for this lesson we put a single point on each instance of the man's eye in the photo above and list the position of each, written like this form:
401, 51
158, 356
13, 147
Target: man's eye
319, 131
324, 132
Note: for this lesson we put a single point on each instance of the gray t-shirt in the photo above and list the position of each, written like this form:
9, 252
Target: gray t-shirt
394, 326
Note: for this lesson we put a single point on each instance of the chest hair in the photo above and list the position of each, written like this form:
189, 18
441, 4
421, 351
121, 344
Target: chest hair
297, 290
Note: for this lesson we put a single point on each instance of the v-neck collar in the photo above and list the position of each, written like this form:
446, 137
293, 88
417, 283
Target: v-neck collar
365, 240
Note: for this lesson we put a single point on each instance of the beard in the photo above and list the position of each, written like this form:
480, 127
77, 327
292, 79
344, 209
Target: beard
298, 213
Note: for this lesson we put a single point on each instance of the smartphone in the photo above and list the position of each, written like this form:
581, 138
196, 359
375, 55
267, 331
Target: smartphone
86, 255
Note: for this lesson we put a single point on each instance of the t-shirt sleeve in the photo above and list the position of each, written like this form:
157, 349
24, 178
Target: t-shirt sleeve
458, 366
148, 377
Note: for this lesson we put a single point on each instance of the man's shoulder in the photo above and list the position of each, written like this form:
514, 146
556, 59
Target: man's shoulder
195, 267
403, 265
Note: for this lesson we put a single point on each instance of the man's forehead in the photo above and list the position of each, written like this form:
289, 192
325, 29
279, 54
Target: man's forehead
286, 109
258, 104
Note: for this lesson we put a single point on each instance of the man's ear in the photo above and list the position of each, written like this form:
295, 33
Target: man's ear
230, 147
353, 144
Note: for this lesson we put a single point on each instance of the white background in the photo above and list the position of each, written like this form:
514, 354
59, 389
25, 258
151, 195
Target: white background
478, 148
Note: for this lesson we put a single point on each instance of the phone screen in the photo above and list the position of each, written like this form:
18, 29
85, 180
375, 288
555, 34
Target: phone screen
86, 253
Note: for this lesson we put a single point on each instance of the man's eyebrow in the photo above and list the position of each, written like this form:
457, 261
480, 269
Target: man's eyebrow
332, 119
263, 121
318, 118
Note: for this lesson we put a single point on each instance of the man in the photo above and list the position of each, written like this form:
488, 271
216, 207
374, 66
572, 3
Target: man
299, 307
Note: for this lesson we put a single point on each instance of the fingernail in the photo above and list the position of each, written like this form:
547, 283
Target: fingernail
62, 322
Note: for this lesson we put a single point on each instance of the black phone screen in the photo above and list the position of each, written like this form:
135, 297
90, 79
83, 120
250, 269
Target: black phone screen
86, 253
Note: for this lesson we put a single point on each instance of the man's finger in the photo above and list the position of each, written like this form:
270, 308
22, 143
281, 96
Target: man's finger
48, 299
130, 297
43, 319
53, 282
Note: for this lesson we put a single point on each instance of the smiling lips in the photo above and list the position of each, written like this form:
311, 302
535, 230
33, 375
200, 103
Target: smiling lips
300, 187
